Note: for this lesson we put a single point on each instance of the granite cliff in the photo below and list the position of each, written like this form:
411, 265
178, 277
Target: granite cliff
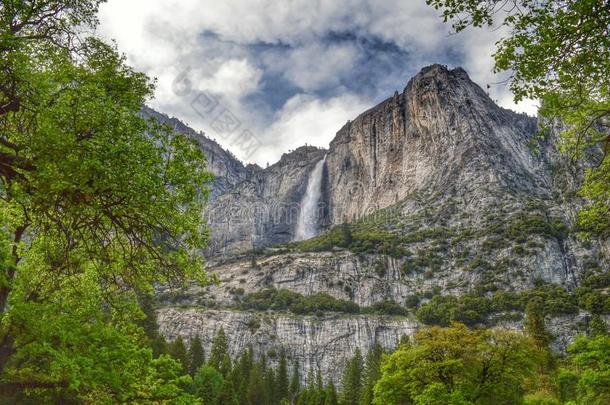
433, 195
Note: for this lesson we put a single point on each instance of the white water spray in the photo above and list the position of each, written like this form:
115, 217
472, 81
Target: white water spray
307, 225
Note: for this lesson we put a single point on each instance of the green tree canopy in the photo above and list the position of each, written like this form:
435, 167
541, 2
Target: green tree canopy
207, 384
282, 383
371, 374
330, 396
227, 395
96, 205
457, 366
590, 365
177, 350
220, 347
295, 382
255, 393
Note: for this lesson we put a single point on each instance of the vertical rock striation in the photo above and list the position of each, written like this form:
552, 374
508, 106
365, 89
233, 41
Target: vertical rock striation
441, 135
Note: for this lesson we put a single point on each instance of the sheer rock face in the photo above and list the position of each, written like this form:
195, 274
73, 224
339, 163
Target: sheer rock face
316, 343
441, 135
263, 209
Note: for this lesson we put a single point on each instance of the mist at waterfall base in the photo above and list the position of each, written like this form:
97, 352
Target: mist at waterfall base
307, 223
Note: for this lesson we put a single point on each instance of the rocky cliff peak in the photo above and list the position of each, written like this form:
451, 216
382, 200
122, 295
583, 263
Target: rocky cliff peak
442, 135
444, 198
440, 73
304, 154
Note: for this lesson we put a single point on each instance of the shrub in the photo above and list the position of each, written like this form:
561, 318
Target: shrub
380, 269
405, 268
323, 302
388, 307
556, 300
472, 310
596, 280
254, 324
412, 301
503, 301
519, 250
477, 263
272, 299
438, 311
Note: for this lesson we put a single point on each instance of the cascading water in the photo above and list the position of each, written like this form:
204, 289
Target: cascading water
307, 225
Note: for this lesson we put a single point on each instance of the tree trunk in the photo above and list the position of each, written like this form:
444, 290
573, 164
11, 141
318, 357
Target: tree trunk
7, 342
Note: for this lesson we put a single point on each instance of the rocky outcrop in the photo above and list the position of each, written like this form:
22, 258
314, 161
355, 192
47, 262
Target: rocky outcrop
248, 206
323, 344
324, 341
365, 279
442, 135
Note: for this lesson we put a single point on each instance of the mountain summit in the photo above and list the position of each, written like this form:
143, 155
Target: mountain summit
441, 135
435, 203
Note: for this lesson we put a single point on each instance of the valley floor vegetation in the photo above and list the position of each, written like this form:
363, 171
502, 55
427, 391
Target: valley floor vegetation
451, 365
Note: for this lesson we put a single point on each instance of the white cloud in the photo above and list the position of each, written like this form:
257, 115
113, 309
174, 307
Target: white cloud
234, 79
225, 47
305, 119
318, 66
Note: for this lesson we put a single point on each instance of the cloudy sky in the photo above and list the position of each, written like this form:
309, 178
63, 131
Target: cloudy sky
283, 73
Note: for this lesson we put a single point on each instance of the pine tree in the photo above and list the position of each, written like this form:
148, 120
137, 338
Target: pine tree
227, 394
178, 351
282, 378
352, 381
330, 398
295, 382
372, 372
269, 381
226, 365
263, 363
156, 341
597, 326
241, 375
196, 355
207, 384
309, 394
346, 233
303, 398
535, 325
255, 394
318, 389
219, 349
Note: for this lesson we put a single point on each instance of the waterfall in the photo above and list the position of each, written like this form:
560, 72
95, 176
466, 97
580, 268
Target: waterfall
307, 225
